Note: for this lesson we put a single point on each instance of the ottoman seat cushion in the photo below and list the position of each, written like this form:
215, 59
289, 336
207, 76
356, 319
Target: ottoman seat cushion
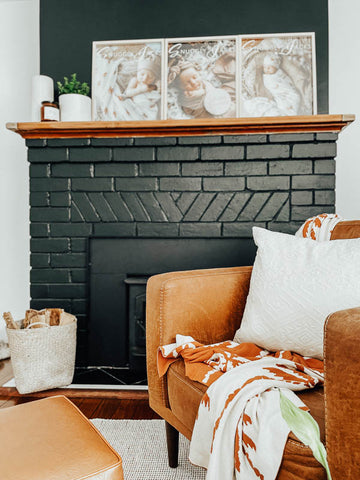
50, 439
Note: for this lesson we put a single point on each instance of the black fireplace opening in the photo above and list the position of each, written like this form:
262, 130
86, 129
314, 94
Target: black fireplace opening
119, 271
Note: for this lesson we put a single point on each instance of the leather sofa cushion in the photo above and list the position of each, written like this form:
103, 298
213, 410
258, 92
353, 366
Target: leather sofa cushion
185, 396
346, 229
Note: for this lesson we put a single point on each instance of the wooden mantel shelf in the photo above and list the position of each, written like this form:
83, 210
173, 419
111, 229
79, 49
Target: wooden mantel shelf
176, 128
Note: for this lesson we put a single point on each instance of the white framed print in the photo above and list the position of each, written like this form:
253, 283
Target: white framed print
127, 80
201, 77
277, 74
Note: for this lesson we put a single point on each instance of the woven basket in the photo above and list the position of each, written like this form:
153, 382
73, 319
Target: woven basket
43, 358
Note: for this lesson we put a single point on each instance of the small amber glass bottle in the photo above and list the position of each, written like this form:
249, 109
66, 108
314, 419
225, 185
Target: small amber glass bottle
50, 112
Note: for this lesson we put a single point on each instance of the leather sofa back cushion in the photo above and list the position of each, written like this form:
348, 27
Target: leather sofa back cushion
346, 229
295, 284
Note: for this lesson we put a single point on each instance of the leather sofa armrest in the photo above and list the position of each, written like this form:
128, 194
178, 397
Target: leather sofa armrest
206, 304
342, 393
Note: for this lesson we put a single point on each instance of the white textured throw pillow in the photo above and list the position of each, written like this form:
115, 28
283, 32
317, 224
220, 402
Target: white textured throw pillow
295, 284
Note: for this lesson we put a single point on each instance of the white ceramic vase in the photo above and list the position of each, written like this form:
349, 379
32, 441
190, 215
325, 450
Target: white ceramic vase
42, 89
75, 108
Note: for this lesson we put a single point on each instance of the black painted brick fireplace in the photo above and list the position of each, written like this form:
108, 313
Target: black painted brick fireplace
186, 187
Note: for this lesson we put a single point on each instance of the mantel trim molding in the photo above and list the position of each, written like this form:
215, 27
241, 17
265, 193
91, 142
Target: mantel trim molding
182, 128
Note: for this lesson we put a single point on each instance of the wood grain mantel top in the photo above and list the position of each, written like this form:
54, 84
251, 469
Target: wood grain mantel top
177, 128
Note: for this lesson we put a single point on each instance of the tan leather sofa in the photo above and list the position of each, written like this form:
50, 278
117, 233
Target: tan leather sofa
208, 305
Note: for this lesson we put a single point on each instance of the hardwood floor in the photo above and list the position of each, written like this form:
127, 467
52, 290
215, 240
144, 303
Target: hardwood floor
113, 404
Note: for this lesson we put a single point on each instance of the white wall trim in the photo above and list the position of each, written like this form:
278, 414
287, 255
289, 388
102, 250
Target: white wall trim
344, 97
19, 51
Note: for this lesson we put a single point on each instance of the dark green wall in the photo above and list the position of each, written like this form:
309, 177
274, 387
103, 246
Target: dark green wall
68, 27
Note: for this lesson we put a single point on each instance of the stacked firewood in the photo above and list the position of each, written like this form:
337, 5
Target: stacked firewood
40, 318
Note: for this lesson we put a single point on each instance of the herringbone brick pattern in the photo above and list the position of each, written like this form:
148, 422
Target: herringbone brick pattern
188, 207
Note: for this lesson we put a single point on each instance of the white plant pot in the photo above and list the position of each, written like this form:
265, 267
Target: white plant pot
75, 107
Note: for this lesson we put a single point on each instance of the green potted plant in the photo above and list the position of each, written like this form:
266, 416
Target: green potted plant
75, 104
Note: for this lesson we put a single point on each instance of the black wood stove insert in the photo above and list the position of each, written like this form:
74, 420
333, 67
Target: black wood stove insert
119, 269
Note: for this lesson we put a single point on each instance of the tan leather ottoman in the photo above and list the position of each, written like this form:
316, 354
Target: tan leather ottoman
51, 439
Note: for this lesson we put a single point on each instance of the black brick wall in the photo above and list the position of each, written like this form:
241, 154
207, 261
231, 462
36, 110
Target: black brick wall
164, 187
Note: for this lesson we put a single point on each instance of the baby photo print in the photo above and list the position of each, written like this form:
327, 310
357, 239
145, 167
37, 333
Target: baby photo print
201, 77
127, 80
278, 75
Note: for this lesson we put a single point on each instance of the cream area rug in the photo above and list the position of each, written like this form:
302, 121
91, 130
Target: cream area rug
142, 446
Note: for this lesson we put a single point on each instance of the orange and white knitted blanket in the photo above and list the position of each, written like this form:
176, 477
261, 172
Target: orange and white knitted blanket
319, 227
227, 438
